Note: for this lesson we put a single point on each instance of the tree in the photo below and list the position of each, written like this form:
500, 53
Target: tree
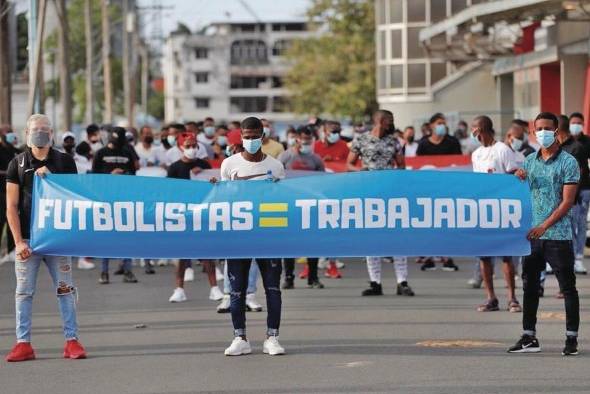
334, 72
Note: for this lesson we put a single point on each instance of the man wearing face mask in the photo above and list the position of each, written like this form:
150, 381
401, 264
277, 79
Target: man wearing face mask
439, 142
290, 137
117, 160
38, 159
269, 145
519, 142
253, 164
577, 129
410, 145
580, 210
174, 153
553, 176
205, 146
149, 154
331, 147
93, 138
494, 157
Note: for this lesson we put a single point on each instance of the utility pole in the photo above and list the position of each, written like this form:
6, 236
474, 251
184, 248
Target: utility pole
126, 69
36, 56
106, 61
64, 65
5, 72
89, 62
144, 77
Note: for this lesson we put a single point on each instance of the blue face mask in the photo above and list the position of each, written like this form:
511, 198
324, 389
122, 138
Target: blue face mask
440, 130
291, 141
252, 146
576, 129
228, 151
474, 139
305, 149
222, 140
11, 138
333, 138
209, 131
171, 140
266, 131
516, 144
545, 137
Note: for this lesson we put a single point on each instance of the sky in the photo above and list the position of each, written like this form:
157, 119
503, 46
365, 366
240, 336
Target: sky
198, 13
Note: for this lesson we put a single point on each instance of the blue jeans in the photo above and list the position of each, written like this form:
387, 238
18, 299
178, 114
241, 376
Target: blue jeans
127, 264
579, 222
60, 269
252, 278
238, 272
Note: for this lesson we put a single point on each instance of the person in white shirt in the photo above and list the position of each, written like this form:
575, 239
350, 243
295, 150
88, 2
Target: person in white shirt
149, 154
253, 164
494, 157
409, 143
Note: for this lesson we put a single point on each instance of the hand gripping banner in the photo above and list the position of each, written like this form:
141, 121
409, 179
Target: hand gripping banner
380, 213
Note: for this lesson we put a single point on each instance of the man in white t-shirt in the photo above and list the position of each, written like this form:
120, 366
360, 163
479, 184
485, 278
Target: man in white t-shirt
149, 154
253, 164
494, 157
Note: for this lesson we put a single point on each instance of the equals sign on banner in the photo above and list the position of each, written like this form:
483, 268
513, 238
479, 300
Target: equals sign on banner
270, 219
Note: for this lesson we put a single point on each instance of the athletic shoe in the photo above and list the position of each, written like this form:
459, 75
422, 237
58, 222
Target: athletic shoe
548, 269
74, 350
571, 346
272, 347
339, 264
238, 347
85, 264
323, 263
119, 271
149, 268
288, 284
315, 285
128, 277
387, 260
8, 258
514, 306
579, 267
162, 263
405, 290
332, 272
189, 275
489, 306
449, 265
428, 265
251, 304
475, 283
22, 351
375, 289
178, 296
215, 294
224, 305
305, 273
218, 274
526, 344
104, 278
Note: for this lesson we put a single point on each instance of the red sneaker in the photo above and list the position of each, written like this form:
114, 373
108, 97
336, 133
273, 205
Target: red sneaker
333, 272
22, 351
305, 273
74, 350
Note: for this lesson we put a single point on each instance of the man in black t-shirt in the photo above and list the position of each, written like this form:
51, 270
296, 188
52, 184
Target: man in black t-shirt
115, 159
7, 153
38, 159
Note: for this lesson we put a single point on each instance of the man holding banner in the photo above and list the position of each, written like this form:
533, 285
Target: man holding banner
38, 159
553, 177
253, 164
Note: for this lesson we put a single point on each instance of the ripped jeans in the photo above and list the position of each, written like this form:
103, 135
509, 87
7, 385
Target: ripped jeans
60, 269
270, 270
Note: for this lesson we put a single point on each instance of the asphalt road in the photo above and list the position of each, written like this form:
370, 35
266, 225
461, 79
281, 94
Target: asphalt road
337, 341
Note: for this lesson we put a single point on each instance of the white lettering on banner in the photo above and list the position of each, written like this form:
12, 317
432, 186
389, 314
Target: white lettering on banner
309, 214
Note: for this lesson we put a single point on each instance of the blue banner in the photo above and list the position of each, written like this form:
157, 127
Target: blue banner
380, 213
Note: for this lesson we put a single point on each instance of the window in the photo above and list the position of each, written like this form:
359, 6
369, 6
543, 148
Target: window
437, 72
416, 75
397, 76
396, 44
249, 82
250, 52
416, 11
382, 77
396, 11
277, 82
202, 77
415, 50
458, 5
202, 102
280, 104
295, 27
438, 10
380, 11
201, 53
280, 47
248, 104
382, 45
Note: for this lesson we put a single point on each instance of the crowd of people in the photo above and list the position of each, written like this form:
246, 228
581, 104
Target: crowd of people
251, 150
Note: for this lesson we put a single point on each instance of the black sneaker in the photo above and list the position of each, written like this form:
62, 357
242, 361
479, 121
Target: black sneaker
449, 265
128, 277
428, 265
104, 278
120, 271
526, 344
405, 290
149, 268
288, 284
571, 346
374, 290
316, 284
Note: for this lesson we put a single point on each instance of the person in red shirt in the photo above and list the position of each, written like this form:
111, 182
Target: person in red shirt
330, 147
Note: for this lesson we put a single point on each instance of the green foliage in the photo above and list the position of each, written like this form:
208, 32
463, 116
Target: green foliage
334, 72
155, 105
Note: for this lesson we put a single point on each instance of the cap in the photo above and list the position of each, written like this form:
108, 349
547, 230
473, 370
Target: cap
68, 134
234, 137
182, 138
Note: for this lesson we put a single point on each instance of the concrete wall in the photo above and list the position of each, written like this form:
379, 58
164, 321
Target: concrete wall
573, 70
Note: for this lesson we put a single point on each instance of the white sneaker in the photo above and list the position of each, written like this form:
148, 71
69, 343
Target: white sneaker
339, 264
178, 296
579, 267
189, 275
548, 269
218, 274
85, 264
323, 263
251, 303
272, 347
215, 294
162, 263
8, 258
224, 305
238, 347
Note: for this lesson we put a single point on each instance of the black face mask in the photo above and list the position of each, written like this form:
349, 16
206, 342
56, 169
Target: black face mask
69, 147
410, 140
149, 139
165, 143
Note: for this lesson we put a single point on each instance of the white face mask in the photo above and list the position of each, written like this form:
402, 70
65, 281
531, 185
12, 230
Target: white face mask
190, 153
